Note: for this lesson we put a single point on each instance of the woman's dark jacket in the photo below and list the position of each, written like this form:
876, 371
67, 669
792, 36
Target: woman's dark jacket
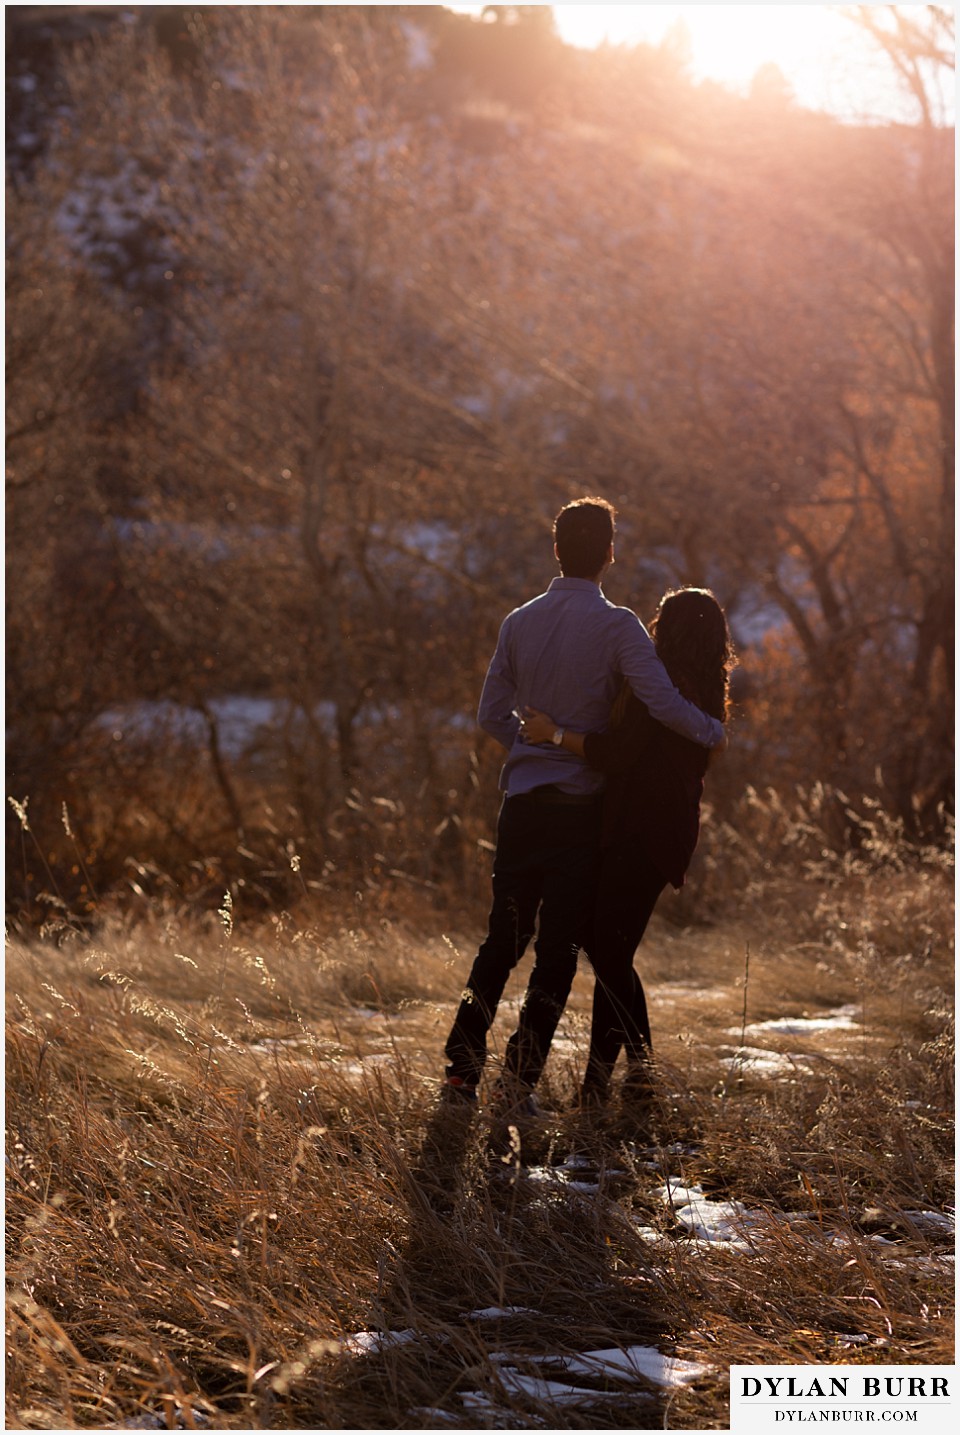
654, 786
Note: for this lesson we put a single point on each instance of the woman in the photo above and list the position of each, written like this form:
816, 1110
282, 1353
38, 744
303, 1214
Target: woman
651, 822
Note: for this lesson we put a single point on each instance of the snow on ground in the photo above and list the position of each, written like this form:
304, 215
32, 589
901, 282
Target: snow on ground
636, 1362
366, 1342
547, 1392
759, 1059
765, 1060
842, 1019
593, 1377
546, 1379
240, 721
730, 1224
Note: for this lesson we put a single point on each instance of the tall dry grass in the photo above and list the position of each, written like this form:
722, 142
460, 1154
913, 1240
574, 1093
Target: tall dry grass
225, 1159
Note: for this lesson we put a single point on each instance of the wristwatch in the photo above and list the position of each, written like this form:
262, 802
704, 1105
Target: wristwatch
557, 738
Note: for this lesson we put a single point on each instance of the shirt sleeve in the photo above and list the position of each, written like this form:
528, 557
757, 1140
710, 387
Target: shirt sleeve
650, 682
498, 698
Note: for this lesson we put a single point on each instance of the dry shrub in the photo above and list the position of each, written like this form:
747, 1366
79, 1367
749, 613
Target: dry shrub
154, 819
815, 833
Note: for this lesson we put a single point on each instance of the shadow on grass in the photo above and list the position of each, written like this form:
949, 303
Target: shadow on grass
511, 1301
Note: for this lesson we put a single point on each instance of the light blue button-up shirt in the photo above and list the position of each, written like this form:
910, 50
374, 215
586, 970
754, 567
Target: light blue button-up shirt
566, 653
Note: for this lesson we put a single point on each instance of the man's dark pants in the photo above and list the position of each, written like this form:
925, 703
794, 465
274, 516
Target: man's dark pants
546, 863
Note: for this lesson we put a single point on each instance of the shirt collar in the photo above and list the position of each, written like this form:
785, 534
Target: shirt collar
576, 585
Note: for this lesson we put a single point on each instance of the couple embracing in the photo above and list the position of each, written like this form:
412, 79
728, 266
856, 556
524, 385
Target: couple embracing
608, 734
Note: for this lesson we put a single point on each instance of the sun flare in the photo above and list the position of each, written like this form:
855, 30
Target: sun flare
822, 56
727, 43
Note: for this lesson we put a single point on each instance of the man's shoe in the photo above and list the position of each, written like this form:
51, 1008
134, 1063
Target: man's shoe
512, 1101
639, 1087
593, 1100
458, 1093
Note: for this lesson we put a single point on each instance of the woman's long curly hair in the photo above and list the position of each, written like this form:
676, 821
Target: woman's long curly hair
693, 642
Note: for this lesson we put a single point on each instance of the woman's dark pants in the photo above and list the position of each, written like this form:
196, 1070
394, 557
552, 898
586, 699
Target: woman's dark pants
627, 893
545, 867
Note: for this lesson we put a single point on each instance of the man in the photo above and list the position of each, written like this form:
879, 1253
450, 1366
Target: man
564, 653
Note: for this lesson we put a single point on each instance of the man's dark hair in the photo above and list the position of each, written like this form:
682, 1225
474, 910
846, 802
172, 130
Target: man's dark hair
583, 532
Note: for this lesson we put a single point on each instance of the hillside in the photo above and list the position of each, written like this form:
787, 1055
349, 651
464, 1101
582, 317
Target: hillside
315, 318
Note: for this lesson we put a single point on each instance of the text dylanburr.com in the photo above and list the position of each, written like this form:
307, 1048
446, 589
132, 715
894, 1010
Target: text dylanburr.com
800, 1397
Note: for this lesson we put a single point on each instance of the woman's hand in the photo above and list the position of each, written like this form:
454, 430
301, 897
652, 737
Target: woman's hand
536, 726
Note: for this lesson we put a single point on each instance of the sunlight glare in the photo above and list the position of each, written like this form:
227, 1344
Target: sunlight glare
728, 43
826, 60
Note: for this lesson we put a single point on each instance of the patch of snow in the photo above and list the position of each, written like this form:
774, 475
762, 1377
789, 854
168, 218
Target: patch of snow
576, 1162
726, 1223
281, 1043
636, 1362
552, 1392
651, 1235
843, 1019
938, 1223
239, 720
937, 1265
367, 1342
689, 991
152, 720
760, 1059
499, 1312
555, 1176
